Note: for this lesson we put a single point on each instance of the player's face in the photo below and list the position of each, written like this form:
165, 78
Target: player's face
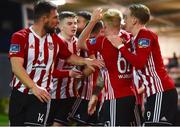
128, 20
51, 21
81, 23
68, 26
107, 29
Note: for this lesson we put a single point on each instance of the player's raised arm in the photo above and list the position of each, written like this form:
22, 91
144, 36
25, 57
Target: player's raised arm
96, 16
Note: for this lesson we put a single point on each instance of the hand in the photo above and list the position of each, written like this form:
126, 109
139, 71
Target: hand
75, 74
97, 15
91, 63
41, 93
115, 40
92, 104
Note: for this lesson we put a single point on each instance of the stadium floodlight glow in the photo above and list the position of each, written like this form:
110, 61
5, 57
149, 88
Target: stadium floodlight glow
58, 2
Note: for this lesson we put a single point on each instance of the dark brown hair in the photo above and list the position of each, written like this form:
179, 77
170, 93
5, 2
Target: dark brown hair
43, 8
141, 12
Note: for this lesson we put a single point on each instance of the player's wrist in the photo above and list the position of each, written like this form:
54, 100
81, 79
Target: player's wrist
32, 86
93, 21
94, 97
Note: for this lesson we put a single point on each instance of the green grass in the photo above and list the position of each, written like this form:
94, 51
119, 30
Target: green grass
4, 120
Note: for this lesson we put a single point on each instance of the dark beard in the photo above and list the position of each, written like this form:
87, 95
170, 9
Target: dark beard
48, 29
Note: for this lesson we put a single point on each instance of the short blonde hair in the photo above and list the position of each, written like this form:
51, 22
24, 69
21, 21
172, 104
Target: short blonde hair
113, 17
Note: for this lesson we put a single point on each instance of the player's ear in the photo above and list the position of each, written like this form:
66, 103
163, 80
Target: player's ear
134, 20
44, 18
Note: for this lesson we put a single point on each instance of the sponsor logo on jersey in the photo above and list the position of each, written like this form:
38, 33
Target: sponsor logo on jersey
39, 64
123, 76
143, 43
93, 41
14, 48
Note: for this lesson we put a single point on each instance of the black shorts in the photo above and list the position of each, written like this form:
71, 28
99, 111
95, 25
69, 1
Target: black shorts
161, 107
27, 110
118, 112
60, 109
80, 115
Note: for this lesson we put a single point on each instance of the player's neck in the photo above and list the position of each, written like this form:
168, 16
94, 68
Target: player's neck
66, 37
136, 29
39, 30
114, 32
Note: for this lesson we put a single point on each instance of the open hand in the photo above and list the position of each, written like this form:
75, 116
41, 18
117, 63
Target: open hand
75, 74
41, 93
91, 63
97, 15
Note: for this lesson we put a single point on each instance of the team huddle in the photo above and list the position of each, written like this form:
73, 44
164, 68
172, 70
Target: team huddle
99, 69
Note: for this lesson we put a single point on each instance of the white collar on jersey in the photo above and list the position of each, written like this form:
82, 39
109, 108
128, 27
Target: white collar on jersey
36, 34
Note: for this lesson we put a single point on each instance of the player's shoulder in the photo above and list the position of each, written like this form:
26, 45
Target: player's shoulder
23, 33
147, 32
57, 38
98, 39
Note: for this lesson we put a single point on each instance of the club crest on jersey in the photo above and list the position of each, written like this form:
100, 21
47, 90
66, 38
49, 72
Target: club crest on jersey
14, 48
143, 43
92, 41
50, 46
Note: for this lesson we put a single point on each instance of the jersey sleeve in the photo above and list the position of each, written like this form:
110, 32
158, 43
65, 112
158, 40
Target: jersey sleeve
17, 46
64, 53
60, 73
143, 49
94, 44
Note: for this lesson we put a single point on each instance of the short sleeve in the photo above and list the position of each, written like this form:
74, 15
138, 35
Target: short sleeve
17, 46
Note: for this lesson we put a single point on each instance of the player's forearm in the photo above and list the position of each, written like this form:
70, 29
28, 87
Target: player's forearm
136, 60
21, 74
76, 60
85, 35
99, 84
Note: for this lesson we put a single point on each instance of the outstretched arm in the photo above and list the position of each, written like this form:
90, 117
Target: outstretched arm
90, 63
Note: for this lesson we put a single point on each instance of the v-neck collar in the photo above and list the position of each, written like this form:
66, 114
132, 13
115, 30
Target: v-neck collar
35, 34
